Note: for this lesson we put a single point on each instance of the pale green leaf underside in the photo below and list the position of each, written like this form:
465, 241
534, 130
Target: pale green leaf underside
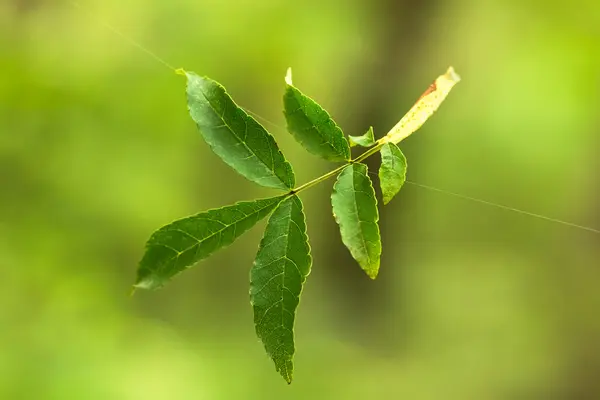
236, 137
366, 140
181, 244
392, 173
313, 127
355, 210
276, 280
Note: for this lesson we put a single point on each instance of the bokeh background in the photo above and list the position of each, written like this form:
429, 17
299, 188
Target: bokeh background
472, 302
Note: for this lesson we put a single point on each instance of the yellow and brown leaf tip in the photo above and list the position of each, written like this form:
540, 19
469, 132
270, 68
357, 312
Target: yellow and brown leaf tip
424, 108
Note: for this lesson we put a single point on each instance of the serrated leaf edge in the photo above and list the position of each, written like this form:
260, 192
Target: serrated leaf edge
149, 244
270, 137
289, 375
298, 92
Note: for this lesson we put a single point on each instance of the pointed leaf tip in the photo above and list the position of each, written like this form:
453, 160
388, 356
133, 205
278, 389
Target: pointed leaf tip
452, 75
288, 77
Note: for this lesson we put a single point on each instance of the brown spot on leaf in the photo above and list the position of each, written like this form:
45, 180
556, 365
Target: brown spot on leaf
430, 89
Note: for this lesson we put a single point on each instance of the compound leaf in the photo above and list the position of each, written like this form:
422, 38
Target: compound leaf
366, 140
312, 126
235, 136
179, 245
355, 210
392, 173
276, 280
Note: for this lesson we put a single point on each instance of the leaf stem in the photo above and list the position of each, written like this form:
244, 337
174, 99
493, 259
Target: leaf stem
328, 175
319, 179
369, 152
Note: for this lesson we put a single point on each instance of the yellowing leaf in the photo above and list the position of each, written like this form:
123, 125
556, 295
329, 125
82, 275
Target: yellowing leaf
424, 108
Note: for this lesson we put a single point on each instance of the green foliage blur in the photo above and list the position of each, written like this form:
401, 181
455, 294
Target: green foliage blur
472, 302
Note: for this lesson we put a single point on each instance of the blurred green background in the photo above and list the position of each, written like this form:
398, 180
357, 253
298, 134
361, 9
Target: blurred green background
472, 302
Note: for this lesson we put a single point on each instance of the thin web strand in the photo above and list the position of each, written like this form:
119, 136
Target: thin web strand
500, 206
150, 53
273, 124
503, 207
154, 56
125, 37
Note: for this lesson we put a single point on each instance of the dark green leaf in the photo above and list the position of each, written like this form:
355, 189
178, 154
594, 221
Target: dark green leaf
235, 136
276, 280
392, 173
366, 140
181, 244
355, 210
312, 126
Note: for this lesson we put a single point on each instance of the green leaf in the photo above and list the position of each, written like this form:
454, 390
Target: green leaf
276, 280
312, 126
236, 137
179, 245
355, 210
392, 173
366, 140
